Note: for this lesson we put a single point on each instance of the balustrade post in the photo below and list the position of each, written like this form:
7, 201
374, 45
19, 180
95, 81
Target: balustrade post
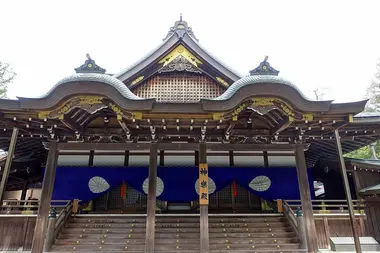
75, 206
301, 229
50, 235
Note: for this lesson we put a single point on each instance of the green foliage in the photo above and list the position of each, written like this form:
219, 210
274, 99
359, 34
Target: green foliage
7, 75
373, 105
364, 152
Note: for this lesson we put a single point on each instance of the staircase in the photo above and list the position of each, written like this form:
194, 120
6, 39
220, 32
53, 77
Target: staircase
178, 233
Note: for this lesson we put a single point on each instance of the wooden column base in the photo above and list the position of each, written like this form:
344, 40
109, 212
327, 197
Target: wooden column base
204, 237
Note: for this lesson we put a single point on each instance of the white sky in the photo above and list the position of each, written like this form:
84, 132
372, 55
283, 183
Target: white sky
315, 44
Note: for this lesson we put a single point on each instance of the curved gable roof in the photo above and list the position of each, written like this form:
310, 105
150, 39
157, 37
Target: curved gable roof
179, 34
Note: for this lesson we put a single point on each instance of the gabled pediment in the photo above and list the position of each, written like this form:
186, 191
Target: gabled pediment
180, 52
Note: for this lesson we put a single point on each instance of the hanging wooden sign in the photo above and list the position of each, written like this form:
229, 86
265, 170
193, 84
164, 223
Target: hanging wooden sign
203, 184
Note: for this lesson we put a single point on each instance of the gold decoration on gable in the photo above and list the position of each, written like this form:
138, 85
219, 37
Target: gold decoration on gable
263, 105
180, 50
137, 80
221, 80
90, 104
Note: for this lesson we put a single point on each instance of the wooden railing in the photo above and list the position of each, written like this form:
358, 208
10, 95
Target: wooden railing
62, 218
18, 219
331, 218
28, 206
290, 215
329, 206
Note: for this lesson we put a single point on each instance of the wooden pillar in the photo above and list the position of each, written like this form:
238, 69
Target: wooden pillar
348, 191
24, 190
196, 158
91, 158
46, 194
266, 160
8, 162
356, 182
162, 157
151, 208
304, 187
233, 184
203, 198
126, 158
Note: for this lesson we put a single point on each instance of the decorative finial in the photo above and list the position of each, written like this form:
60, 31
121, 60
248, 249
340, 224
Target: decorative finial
264, 69
181, 29
90, 66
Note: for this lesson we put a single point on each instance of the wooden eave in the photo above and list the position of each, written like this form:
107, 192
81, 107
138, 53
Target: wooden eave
365, 164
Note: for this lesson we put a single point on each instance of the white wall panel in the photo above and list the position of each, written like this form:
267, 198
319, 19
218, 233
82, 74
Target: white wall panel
282, 161
221, 159
108, 160
138, 160
179, 160
249, 160
73, 160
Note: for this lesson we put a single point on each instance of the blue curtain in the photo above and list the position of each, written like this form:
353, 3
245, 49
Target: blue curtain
178, 182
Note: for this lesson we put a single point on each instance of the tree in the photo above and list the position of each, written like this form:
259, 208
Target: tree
319, 93
365, 152
371, 151
7, 75
373, 92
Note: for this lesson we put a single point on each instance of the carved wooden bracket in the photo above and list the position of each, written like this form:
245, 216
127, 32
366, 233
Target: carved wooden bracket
90, 104
263, 105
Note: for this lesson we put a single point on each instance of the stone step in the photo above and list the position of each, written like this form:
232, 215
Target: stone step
129, 219
211, 251
113, 230
128, 236
171, 247
176, 225
99, 241
258, 251
254, 246
124, 247
240, 234
250, 235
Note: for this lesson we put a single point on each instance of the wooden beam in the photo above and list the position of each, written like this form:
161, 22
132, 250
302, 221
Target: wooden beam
347, 191
151, 206
69, 123
46, 194
304, 187
250, 132
8, 162
177, 146
282, 125
124, 127
203, 209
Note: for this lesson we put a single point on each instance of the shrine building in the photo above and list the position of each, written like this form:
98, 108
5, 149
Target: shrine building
180, 153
